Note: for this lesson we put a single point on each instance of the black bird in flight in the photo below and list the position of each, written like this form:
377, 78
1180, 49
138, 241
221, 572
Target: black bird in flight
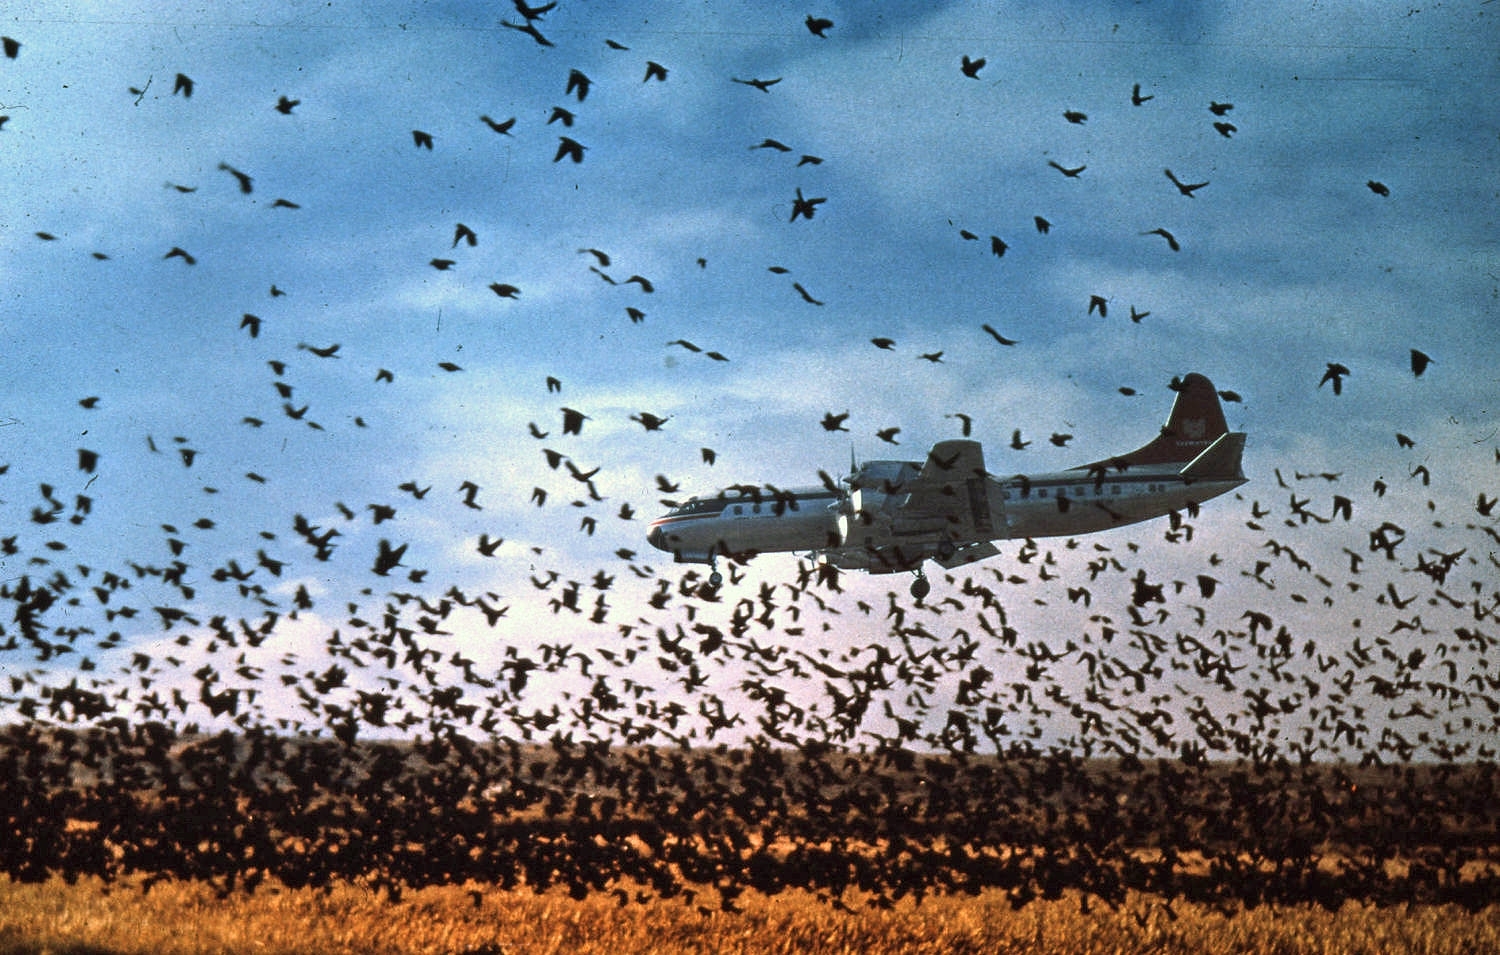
503, 128
1219, 109
1335, 374
655, 71
573, 421
971, 68
421, 139
532, 13
570, 148
763, 85
1171, 239
578, 84
1186, 188
1070, 173
244, 180
183, 85
1419, 362
179, 253
803, 206
819, 26
12, 47
997, 336
530, 30
806, 296
1136, 98
1379, 188
285, 105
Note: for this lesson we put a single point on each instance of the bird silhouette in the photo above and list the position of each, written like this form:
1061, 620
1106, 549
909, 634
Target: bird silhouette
528, 28
503, 127
818, 26
763, 85
804, 206
1186, 188
1334, 373
1171, 239
998, 337
971, 68
578, 84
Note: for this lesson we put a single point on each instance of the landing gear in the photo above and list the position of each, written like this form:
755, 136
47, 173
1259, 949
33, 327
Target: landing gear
715, 579
920, 587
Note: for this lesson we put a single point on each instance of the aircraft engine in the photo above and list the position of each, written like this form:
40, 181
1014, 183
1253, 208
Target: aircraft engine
859, 515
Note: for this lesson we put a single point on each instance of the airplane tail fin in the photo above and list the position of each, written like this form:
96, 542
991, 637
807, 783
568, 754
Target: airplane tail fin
1195, 422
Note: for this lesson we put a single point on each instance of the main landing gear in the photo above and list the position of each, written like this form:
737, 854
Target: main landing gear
715, 579
920, 587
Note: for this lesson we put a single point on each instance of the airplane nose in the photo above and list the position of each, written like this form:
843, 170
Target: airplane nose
657, 538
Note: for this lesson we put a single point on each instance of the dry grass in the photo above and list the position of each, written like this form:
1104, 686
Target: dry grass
187, 919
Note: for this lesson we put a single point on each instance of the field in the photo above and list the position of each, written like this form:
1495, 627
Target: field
181, 918
142, 840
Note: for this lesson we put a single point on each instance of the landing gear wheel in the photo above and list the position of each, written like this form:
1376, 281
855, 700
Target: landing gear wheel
920, 587
715, 579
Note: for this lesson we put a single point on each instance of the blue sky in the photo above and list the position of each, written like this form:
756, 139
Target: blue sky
1288, 261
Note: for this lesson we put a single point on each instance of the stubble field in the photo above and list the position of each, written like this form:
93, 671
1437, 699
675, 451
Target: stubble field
184, 918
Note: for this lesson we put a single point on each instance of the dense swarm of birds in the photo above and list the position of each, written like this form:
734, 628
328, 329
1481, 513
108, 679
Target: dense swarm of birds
212, 715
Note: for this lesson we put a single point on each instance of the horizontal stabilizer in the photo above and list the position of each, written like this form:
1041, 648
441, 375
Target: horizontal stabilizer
1220, 461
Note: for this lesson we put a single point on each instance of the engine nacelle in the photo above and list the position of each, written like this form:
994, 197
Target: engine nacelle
863, 518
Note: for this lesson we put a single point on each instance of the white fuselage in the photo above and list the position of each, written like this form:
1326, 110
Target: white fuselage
1061, 503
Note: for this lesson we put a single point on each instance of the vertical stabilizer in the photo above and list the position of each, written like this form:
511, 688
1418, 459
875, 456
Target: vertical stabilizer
1195, 422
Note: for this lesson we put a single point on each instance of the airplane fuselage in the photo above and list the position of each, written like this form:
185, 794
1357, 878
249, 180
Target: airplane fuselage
889, 516
742, 523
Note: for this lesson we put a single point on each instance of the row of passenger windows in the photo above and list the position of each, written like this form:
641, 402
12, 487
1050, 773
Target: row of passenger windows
1077, 492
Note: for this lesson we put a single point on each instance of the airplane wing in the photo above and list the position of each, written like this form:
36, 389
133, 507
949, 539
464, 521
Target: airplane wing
953, 485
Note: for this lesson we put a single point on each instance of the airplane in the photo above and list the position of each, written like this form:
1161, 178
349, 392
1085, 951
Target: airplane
893, 516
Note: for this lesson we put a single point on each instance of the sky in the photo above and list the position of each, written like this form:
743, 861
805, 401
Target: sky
214, 409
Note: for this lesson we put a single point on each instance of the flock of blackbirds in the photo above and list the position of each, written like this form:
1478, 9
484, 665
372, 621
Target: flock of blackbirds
642, 731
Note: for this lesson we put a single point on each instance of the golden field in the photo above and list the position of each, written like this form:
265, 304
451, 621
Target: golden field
184, 918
